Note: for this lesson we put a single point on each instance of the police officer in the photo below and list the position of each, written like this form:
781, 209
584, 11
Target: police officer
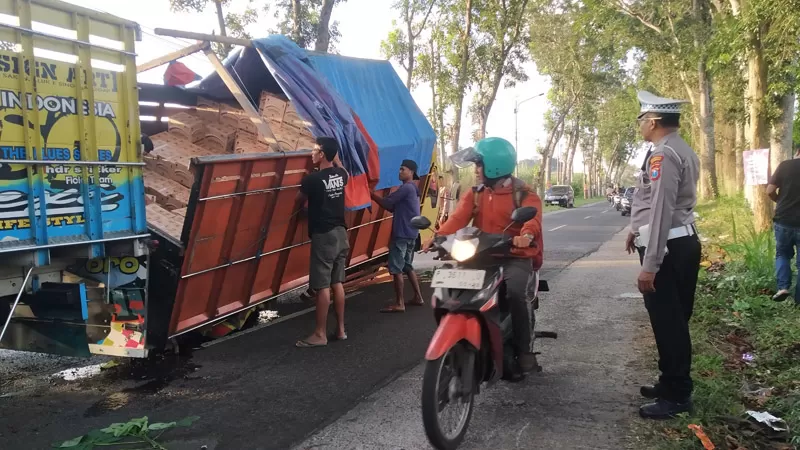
664, 234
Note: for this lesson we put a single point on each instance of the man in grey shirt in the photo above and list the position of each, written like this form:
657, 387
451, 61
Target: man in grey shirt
664, 234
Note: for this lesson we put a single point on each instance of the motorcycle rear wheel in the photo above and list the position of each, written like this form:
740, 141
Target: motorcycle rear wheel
438, 393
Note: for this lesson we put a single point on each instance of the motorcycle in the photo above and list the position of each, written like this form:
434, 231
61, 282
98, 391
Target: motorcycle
618, 201
472, 344
625, 206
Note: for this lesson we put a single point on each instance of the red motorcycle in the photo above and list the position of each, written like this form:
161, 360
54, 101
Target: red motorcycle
472, 344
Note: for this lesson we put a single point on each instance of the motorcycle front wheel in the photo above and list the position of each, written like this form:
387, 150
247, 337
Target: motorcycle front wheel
446, 410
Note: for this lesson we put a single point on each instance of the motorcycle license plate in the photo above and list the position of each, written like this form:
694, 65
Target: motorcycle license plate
458, 279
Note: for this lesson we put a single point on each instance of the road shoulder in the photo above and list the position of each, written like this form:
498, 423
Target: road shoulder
585, 398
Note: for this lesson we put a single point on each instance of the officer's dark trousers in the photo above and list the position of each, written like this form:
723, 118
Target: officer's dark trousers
670, 308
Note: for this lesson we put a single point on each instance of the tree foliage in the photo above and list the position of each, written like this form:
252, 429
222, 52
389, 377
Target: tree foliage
229, 23
401, 43
308, 22
501, 38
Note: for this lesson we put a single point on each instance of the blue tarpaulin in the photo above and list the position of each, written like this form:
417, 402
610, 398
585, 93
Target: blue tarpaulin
371, 88
390, 115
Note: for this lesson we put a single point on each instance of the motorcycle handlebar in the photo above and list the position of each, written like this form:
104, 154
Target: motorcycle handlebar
504, 240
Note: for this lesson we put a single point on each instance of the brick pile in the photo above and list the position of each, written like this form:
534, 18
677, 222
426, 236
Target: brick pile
210, 129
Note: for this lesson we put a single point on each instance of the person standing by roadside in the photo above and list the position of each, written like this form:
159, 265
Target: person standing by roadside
324, 191
444, 202
664, 234
784, 189
404, 204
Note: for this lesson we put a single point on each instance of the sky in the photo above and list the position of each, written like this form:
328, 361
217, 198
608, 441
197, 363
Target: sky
360, 38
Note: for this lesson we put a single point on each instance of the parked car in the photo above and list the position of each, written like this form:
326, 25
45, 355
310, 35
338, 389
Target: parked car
626, 201
562, 195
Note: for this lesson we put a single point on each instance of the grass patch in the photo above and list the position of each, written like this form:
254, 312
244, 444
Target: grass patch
746, 347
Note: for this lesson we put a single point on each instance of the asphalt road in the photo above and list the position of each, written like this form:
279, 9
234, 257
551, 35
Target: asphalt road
585, 398
257, 391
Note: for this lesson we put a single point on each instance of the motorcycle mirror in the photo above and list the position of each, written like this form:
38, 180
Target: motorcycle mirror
524, 214
420, 222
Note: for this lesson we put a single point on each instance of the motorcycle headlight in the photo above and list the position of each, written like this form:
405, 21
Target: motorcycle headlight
464, 249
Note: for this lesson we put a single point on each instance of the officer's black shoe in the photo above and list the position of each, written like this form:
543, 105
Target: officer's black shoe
664, 409
651, 391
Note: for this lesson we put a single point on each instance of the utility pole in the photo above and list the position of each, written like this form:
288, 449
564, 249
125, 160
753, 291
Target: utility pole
516, 136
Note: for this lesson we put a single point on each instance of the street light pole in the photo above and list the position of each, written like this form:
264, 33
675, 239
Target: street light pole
516, 137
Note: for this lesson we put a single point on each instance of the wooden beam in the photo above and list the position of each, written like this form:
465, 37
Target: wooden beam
168, 58
203, 37
264, 130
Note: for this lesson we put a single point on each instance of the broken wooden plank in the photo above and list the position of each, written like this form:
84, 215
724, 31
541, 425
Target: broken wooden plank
169, 57
203, 37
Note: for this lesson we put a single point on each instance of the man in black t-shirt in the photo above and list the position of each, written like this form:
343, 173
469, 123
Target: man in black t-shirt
784, 188
329, 246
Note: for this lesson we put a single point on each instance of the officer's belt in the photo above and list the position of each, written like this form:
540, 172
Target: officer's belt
674, 233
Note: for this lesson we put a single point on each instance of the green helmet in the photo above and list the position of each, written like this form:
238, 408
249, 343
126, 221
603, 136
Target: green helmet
497, 156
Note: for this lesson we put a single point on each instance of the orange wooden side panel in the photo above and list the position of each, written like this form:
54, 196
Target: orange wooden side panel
248, 239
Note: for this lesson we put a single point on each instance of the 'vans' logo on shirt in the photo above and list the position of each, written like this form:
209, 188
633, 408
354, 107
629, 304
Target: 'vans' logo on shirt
334, 182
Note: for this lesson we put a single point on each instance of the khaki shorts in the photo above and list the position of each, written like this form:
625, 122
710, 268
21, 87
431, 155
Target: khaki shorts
328, 258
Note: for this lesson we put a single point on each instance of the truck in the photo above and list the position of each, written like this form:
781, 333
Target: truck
119, 235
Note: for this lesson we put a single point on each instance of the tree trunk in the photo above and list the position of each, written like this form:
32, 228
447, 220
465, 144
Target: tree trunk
621, 169
572, 144
708, 170
435, 108
323, 27
588, 151
729, 171
548, 151
438, 110
410, 55
297, 12
546, 165
462, 77
759, 133
740, 146
221, 21
780, 147
568, 171
596, 161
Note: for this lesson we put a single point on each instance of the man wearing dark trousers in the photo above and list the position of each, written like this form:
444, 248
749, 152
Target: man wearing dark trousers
784, 189
664, 234
324, 190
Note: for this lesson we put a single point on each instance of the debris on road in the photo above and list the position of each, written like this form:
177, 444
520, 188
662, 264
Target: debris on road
698, 431
776, 423
78, 373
